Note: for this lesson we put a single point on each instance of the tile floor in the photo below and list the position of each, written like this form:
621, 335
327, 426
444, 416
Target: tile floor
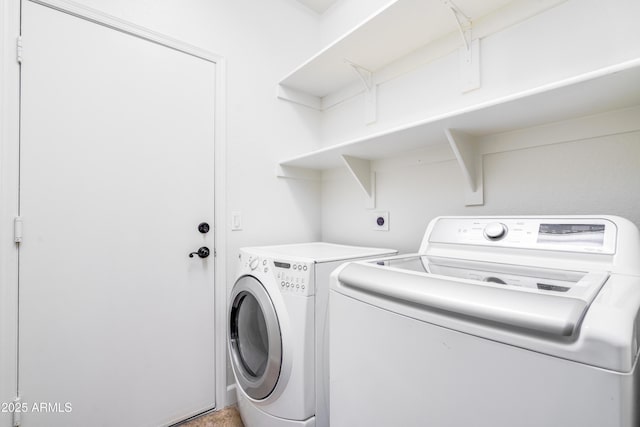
228, 417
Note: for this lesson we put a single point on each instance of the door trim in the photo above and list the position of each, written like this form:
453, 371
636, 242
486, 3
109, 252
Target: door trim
9, 183
115, 23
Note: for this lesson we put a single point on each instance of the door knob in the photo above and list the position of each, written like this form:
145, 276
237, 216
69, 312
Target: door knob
203, 252
203, 227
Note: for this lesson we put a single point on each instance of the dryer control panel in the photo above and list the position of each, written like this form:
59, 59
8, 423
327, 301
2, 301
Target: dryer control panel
294, 277
291, 277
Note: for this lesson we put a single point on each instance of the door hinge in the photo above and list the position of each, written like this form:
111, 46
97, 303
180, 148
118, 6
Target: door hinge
19, 49
17, 230
17, 412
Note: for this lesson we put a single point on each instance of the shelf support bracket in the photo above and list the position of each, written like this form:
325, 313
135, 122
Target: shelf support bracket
464, 147
470, 53
370, 91
463, 21
365, 177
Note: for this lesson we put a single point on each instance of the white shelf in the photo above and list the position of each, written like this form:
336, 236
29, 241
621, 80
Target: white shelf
393, 32
395, 36
603, 90
607, 89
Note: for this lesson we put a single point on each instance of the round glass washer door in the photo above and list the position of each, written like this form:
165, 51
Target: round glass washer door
255, 338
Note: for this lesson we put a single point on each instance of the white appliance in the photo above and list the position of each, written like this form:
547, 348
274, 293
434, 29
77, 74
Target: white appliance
278, 331
497, 321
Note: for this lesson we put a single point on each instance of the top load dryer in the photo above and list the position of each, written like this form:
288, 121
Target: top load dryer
497, 321
278, 331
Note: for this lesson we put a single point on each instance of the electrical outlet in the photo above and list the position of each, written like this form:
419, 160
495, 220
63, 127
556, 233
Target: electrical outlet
380, 221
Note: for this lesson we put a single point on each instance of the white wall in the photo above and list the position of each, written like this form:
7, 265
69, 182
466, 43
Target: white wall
344, 15
580, 174
261, 41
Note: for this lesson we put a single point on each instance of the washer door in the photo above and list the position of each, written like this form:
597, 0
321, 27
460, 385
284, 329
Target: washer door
255, 338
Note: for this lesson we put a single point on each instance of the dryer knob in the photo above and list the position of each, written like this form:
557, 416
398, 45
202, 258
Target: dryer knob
253, 264
495, 231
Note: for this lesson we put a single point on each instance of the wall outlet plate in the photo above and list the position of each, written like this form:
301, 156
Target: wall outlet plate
380, 220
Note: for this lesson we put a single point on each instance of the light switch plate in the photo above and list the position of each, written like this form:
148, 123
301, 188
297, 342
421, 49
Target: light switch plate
236, 221
380, 220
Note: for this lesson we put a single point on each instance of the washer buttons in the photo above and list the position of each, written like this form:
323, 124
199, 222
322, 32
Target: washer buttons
304, 268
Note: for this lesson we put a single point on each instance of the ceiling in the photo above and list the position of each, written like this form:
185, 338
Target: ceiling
320, 6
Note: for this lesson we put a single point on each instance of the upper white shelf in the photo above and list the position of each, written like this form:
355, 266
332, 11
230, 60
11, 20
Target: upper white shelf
607, 89
391, 33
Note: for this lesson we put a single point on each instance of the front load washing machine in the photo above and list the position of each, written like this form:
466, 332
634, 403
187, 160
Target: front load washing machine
278, 328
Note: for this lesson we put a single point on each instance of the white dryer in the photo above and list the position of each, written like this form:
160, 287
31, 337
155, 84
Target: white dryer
496, 322
278, 329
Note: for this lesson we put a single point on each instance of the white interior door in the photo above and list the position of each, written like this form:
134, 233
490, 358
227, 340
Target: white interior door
116, 324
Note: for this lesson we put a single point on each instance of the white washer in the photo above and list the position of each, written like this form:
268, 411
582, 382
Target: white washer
497, 321
278, 331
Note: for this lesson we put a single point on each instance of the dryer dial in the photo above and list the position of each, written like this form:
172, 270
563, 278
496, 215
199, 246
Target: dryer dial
253, 263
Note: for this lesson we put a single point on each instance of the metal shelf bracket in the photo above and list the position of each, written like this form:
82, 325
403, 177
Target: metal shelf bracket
370, 91
470, 53
463, 21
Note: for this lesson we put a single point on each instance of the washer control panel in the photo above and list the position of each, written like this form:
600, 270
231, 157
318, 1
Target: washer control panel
293, 277
580, 234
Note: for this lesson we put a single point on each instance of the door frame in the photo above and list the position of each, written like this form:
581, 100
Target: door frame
10, 177
9, 182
